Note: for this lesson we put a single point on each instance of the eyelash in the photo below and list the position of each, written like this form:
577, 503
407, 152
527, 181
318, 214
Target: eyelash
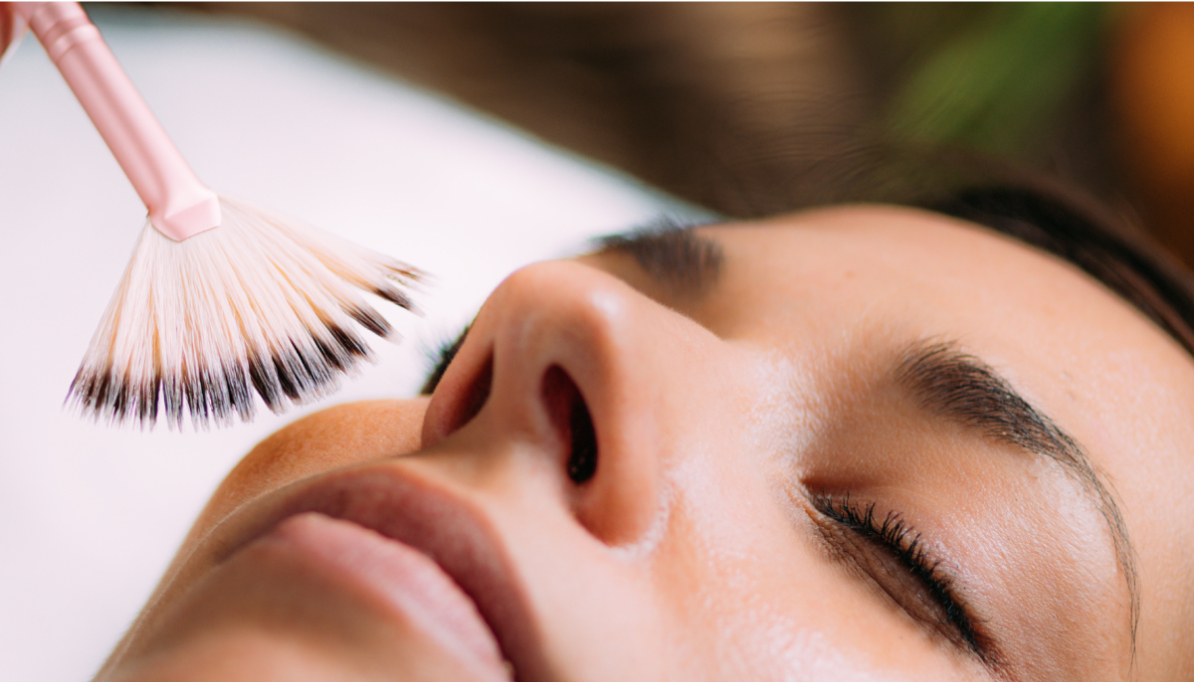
894, 534
440, 358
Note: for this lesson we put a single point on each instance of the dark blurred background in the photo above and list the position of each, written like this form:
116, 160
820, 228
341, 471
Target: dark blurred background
750, 109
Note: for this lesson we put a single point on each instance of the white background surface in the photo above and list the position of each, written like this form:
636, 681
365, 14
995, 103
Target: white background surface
91, 514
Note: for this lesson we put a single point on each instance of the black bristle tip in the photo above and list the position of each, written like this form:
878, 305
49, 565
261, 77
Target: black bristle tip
206, 393
394, 295
369, 319
149, 401
196, 395
241, 397
349, 341
331, 355
217, 393
315, 368
286, 380
265, 380
172, 399
119, 399
98, 395
209, 396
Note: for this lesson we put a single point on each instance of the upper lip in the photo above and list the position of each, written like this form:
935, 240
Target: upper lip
418, 512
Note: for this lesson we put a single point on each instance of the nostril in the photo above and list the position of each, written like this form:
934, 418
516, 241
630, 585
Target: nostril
571, 418
582, 462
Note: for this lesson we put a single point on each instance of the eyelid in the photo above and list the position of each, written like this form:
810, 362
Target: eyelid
893, 534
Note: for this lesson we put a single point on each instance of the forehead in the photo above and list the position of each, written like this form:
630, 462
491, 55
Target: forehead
859, 279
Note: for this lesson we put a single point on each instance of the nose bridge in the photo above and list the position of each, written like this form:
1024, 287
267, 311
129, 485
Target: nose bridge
555, 341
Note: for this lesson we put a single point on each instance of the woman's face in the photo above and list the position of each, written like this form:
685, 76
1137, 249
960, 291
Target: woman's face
855, 444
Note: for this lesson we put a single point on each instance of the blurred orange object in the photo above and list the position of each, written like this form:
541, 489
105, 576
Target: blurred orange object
1152, 86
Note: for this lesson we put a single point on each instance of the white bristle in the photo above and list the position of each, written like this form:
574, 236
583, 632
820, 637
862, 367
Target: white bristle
258, 304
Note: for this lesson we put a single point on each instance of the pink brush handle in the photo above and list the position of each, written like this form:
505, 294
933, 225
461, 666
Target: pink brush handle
179, 205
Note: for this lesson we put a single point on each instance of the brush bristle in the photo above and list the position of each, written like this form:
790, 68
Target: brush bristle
257, 305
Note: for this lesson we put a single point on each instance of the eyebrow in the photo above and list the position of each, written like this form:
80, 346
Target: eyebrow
967, 391
671, 253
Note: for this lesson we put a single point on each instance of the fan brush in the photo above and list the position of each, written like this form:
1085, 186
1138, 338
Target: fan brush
220, 300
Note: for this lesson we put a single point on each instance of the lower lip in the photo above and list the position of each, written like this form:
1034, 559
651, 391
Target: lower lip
398, 578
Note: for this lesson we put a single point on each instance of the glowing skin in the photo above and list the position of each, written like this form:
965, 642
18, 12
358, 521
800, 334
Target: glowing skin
697, 549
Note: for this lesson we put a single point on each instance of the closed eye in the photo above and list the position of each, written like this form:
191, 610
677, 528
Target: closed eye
921, 588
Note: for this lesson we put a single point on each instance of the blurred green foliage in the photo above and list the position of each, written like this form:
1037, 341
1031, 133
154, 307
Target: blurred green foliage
990, 77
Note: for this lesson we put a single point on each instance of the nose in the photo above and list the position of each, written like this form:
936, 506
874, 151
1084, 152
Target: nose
561, 372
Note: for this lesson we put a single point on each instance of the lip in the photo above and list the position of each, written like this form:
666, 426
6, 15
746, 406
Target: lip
420, 514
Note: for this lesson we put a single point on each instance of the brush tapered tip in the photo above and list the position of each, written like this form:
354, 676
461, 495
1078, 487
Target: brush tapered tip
256, 306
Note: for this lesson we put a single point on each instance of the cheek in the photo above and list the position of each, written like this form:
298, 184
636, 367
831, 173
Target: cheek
330, 439
755, 599
751, 588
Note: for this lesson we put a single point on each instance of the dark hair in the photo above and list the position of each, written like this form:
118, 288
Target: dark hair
1077, 229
